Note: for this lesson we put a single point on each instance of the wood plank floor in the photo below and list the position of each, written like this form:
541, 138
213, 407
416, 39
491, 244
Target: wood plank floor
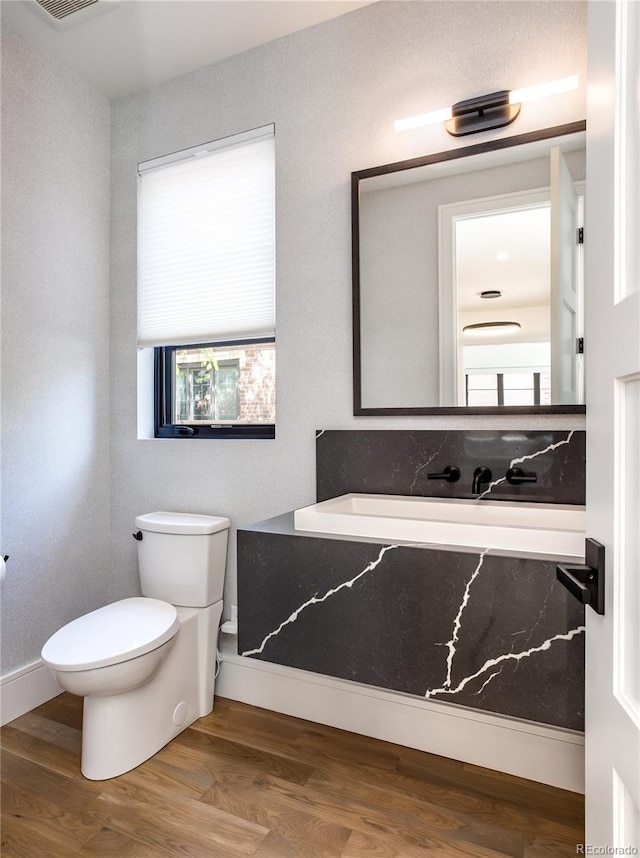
248, 782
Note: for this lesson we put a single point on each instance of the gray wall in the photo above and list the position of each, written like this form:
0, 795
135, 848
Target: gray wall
55, 349
333, 92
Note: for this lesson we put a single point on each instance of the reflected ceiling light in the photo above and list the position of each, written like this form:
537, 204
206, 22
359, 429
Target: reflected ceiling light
485, 112
490, 329
491, 293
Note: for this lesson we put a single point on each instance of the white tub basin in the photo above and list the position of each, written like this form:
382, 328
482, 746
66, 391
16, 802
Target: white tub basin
531, 527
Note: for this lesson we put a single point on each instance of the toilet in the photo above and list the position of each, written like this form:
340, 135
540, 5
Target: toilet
146, 665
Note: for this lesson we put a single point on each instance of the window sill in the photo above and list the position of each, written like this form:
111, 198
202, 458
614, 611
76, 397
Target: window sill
190, 432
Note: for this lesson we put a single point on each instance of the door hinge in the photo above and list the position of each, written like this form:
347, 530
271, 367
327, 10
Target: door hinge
580, 346
580, 235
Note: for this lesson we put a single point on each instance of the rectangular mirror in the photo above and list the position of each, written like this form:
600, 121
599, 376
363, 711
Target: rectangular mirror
468, 279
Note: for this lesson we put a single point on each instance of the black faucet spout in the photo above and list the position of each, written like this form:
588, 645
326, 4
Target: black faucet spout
481, 475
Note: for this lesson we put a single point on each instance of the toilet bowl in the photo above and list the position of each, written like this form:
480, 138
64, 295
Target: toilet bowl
114, 649
146, 665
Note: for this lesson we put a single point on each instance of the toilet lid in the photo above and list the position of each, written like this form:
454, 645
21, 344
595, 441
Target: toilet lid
115, 633
186, 523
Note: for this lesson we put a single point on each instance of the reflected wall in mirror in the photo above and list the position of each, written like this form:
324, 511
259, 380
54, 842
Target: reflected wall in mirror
448, 249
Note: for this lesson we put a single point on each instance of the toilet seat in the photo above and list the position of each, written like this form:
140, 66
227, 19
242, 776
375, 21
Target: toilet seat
115, 633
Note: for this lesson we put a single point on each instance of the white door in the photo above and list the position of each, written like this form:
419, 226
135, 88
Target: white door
612, 352
565, 288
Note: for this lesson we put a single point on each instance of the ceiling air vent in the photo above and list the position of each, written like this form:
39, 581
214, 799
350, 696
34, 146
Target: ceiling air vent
65, 14
60, 9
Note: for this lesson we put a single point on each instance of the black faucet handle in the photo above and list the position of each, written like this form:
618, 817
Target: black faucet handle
516, 476
451, 474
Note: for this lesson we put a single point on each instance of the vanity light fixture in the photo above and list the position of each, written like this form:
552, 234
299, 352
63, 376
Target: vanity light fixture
490, 329
486, 112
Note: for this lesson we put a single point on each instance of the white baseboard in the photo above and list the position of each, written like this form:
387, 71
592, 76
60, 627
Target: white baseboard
549, 755
26, 688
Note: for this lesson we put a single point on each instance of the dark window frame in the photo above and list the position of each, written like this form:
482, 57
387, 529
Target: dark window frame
163, 386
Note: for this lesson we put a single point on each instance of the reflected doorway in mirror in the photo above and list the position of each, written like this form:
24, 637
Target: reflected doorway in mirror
525, 247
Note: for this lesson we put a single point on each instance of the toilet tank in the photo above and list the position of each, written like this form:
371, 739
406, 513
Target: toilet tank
182, 557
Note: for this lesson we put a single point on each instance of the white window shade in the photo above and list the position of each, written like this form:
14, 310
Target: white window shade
206, 244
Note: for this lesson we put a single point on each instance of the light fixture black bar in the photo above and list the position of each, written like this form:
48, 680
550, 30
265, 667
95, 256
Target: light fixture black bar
482, 113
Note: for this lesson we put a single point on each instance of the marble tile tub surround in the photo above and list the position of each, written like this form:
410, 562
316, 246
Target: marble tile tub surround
474, 628
397, 462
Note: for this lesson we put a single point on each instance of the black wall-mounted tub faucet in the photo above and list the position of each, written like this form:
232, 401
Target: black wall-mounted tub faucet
481, 475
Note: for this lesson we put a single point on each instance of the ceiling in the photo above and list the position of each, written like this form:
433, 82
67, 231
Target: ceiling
508, 251
124, 46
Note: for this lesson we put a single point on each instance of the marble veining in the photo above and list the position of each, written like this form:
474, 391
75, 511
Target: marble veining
422, 468
511, 656
314, 600
521, 459
457, 624
493, 662
398, 462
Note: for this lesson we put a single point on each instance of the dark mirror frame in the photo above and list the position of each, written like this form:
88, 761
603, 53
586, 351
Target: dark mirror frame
398, 166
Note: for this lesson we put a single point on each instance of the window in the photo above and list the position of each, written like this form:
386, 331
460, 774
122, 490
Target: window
206, 286
508, 388
217, 390
205, 390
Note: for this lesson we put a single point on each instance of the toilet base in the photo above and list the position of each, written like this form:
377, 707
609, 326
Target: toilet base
120, 732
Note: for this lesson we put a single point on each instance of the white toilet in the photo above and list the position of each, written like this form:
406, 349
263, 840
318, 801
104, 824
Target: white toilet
146, 665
